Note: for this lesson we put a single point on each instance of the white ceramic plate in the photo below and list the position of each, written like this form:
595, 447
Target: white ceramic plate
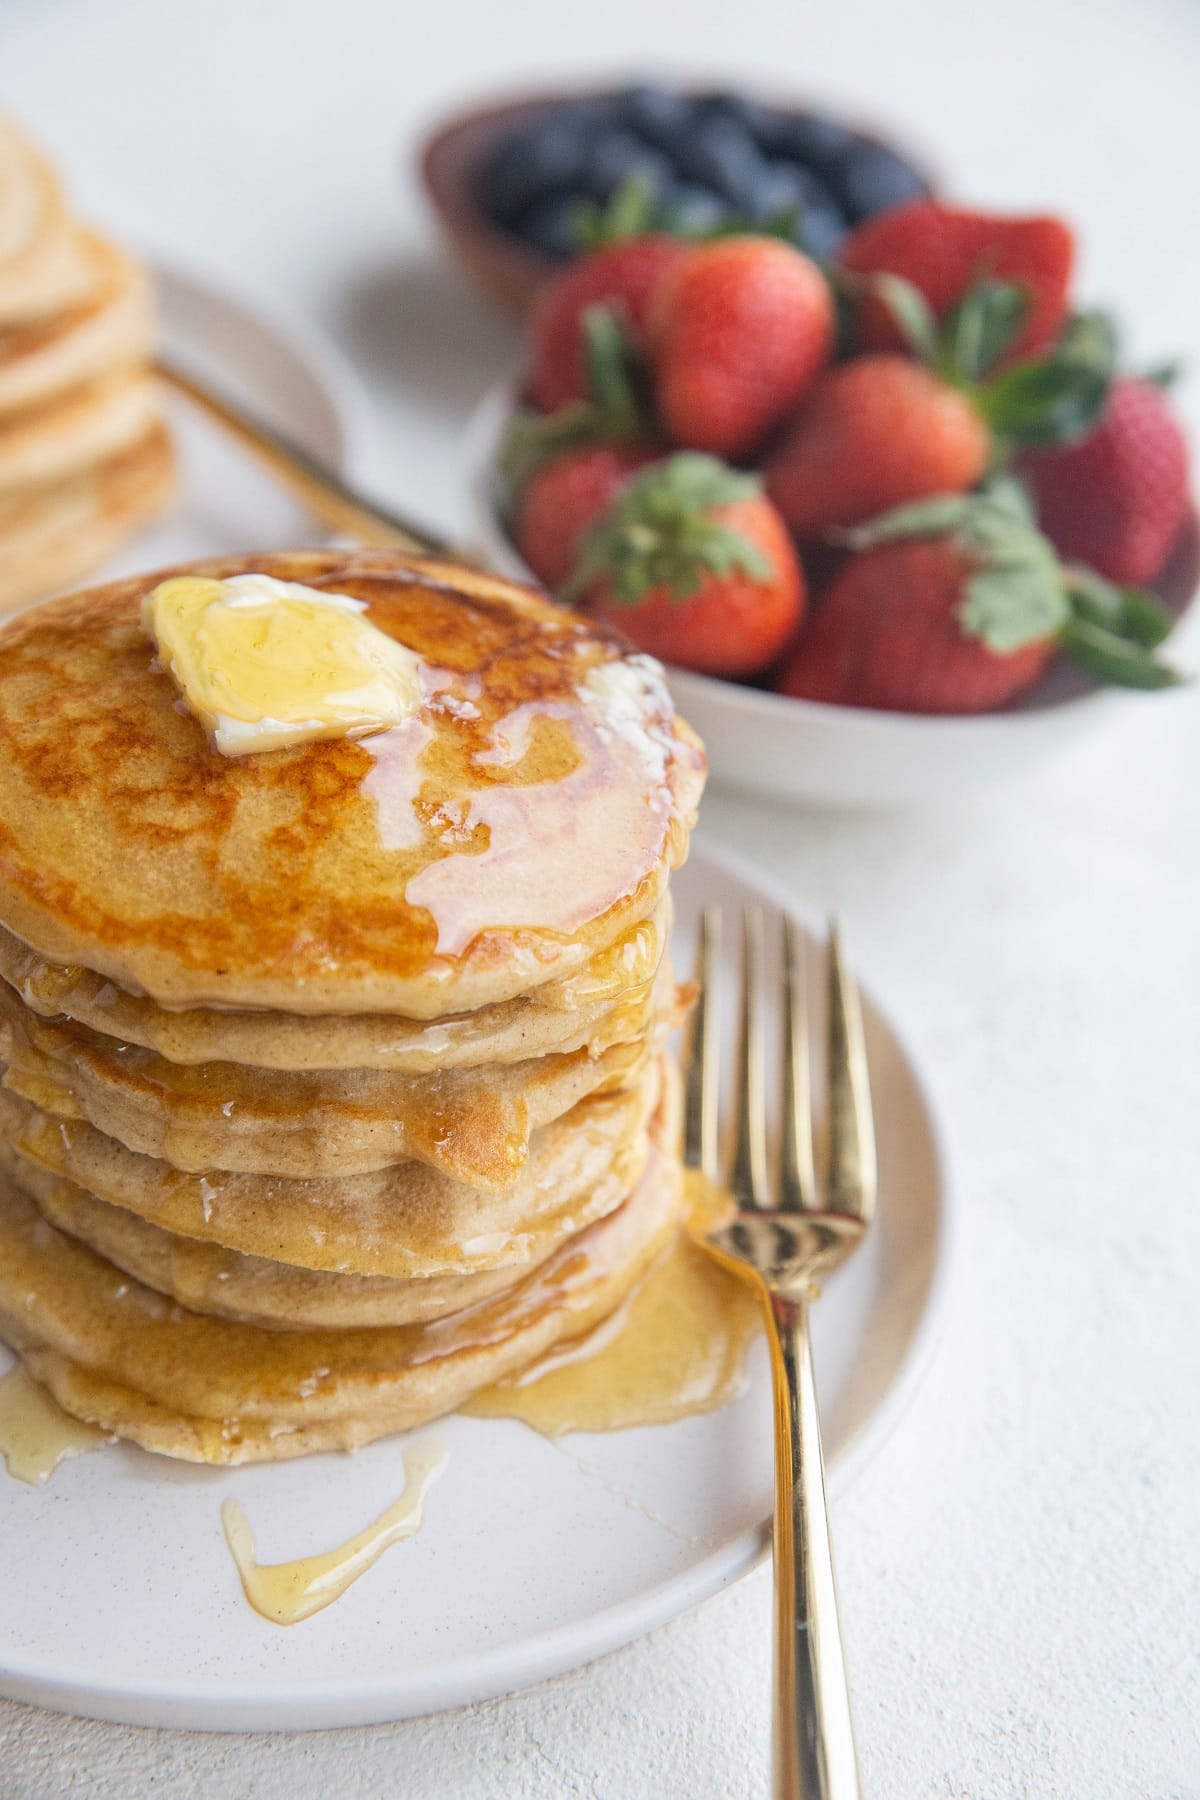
283, 369
834, 755
121, 1601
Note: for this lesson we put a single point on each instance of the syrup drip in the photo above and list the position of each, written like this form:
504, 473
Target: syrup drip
35, 1433
676, 1347
287, 1592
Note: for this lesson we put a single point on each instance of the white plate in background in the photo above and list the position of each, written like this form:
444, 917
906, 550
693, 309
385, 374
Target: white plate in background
121, 1600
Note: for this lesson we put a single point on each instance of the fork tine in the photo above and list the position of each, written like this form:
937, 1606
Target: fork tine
852, 1178
797, 1178
700, 1055
748, 1159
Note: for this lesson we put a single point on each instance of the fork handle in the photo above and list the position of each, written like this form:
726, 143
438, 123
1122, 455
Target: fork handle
814, 1755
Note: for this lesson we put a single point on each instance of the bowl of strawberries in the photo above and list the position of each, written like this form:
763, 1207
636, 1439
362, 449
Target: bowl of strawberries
898, 523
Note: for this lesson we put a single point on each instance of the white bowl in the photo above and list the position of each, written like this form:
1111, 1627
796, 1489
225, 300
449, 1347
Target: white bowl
833, 756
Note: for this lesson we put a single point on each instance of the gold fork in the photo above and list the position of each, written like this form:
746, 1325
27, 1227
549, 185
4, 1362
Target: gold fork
791, 1234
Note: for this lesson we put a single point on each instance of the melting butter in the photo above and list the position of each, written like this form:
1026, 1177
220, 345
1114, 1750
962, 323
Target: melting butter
676, 1347
265, 664
287, 1592
35, 1433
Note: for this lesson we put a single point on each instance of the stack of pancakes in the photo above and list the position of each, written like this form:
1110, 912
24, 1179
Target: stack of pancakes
84, 455
334, 1079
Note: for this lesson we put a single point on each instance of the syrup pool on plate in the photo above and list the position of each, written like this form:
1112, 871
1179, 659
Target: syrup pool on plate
677, 1346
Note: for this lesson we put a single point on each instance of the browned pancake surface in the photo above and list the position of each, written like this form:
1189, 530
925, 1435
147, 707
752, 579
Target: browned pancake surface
518, 823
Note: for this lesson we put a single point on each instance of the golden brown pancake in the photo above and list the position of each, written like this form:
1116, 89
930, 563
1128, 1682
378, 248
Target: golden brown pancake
210, 1279
31, 203
506, 834
123, 1357
85, 426
558, 1015
50, 536
111, 329
475, 1124
406, 1222
84, 458
57, 274
332, 1078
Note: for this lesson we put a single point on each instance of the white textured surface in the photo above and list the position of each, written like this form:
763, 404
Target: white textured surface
1019, 1567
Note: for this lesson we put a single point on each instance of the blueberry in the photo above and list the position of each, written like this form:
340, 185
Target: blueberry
780, 190
819, 231
692, 211
549, 225
655, 113
872, 178
619, 155
808, 139
721, 155
545, 158
749, 115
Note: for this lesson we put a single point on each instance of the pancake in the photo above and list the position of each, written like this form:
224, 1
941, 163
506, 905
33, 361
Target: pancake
473, 1123
122, 1357
333, 1078
55, 535
85, 426
407, 1222
559, 1015
55, 275
31, 203
512, 830
110, 329
224, 1284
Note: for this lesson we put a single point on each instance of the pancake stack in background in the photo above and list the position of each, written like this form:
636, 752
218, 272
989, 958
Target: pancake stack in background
84, 455
335, 1081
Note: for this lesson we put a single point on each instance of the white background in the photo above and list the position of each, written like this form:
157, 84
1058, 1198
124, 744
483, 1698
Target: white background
1020, 1566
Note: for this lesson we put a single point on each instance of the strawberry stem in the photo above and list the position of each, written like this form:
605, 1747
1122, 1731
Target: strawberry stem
661, 534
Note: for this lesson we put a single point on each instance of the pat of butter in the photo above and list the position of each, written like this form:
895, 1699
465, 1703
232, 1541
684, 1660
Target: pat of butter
266, 664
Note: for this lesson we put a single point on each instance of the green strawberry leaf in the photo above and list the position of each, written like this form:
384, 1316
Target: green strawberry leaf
630, 212
988, 519
1015, 603
660, 533
618, 384
1055, 398
689, 479
1089, 338
1044, 401
918, 518
1116, 660
1165, 374
635, 209
1007, 495
910, 312
979, 330
1128, 612
618, 409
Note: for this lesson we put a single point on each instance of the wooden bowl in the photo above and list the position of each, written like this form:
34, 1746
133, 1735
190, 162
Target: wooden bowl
504, 267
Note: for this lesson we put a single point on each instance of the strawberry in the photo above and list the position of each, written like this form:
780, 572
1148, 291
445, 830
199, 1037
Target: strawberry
1117, 499
694, 565
955, 605
874, 432
623, 277
942, 251
739, 328
886, 634
563, 499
